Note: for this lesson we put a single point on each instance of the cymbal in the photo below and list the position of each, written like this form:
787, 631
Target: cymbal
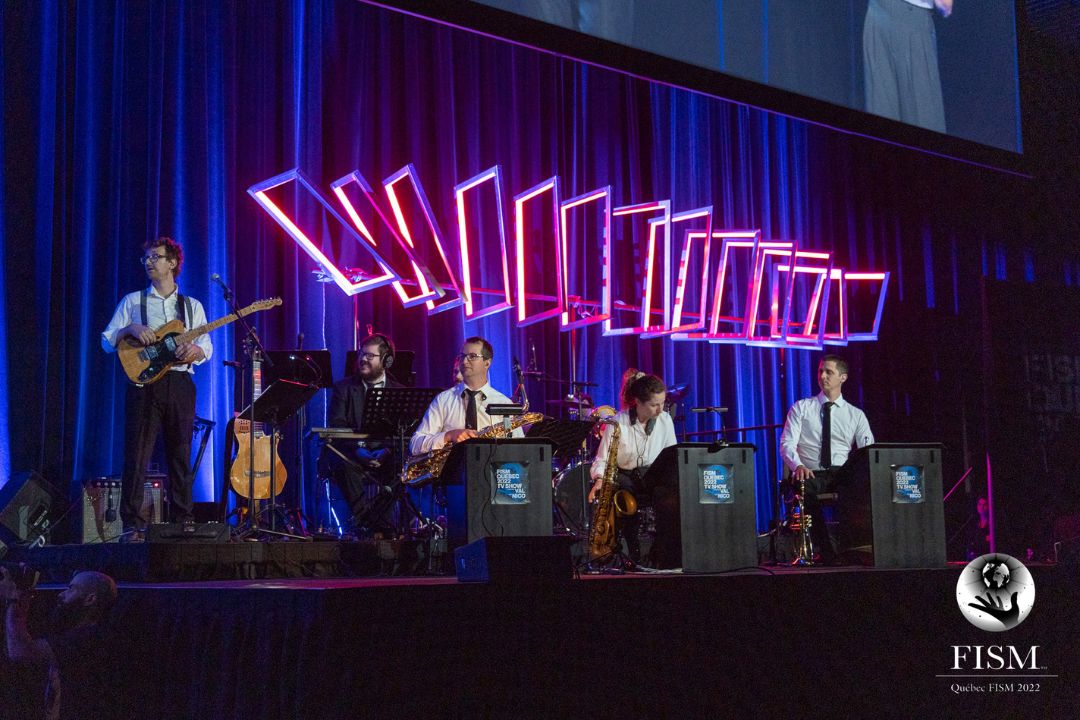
678, 393
583, 401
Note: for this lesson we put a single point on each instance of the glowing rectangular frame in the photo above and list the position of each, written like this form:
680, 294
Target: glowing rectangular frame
450, 300
739, 239
565, 299
468, 291
349, 287
520, 199
429, 289
663, 206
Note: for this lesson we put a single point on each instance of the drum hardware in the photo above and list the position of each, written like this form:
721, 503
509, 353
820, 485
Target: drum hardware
804, 545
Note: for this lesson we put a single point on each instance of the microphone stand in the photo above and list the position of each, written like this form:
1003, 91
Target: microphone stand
254, 349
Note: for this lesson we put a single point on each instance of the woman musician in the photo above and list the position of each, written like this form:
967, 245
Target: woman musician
646, 429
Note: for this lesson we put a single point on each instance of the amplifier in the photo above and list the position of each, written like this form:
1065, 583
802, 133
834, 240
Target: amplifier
151, 500
101, 510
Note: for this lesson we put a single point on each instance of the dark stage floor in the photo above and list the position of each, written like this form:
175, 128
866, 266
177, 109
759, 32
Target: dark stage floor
819, 642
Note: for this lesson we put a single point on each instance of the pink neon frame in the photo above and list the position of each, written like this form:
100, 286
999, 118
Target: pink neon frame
664, 208
259, 193
492, 174
447, 281
881, 277
429, 289
566, 300
550, 185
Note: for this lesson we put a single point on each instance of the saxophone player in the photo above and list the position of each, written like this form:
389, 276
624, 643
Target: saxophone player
456, 414
646, 429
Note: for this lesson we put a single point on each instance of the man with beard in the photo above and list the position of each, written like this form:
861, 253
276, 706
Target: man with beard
76, 650
365, 479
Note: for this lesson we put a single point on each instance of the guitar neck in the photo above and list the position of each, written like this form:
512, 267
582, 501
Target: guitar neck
211, 326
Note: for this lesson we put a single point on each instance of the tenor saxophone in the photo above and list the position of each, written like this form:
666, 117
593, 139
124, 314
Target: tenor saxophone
426, 467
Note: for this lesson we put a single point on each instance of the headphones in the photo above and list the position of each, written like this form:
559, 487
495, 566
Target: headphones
388, 354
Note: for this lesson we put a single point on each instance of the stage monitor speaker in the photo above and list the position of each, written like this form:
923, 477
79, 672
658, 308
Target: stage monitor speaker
893, 508
101, 510
717, 506
25, 501
515, 559
207, 533
499, 489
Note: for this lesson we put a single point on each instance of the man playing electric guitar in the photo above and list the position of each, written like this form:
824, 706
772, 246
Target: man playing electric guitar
167, 405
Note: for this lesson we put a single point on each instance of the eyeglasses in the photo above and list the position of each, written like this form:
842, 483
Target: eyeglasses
369, 356
152, 258
471, 357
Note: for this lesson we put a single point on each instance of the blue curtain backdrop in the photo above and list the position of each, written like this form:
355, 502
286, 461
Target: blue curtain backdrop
127, 120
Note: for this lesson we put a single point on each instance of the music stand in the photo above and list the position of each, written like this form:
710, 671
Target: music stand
396, 412
275, 405
566, 435
309, 367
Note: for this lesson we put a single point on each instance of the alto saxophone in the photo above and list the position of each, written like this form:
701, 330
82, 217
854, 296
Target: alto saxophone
612, 502
426, 467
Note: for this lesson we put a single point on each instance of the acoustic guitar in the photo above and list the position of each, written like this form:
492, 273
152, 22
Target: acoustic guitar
146, 364
241, 474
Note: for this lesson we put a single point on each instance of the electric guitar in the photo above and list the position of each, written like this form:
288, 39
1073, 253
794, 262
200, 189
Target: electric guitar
146, 364
245, 480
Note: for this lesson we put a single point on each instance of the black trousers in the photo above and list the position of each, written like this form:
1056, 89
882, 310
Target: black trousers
367, 491
166, 407
824, 481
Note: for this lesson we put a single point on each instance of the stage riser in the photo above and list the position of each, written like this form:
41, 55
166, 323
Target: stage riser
808, 645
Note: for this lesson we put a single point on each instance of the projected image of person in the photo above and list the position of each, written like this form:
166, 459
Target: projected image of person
900, 61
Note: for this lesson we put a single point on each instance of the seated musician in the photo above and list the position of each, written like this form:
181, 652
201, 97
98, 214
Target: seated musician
645, 429
457, 414
818, 436
365, 478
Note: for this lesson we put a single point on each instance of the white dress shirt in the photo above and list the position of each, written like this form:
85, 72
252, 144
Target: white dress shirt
159, 310
800, 443
636, 449
447, 412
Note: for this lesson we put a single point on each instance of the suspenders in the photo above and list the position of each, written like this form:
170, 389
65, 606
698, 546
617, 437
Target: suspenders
183, 303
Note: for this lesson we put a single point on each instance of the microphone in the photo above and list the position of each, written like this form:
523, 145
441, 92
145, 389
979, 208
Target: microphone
709, 408
518, 374
224, 288
532, 349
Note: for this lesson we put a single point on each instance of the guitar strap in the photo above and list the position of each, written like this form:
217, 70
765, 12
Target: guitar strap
185, 313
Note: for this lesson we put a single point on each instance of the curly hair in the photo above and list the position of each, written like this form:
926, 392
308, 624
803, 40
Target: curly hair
172, 249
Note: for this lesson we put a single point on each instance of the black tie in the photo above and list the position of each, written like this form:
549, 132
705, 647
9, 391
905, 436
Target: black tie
470, 410
826, 435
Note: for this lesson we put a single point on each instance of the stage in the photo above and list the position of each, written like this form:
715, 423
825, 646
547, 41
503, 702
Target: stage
765, 642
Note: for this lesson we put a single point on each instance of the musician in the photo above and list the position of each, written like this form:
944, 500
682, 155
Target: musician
819, 457
645, 429
364, 481
456, 414
168, 405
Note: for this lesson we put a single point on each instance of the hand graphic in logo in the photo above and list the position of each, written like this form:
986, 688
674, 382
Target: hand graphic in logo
993, 606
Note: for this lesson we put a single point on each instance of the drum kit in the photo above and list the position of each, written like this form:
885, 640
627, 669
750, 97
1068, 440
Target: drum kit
572, 481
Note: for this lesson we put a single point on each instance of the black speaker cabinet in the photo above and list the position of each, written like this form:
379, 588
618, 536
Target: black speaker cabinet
101, 510
498, 489
515, 560
25, 501
716, 504
893, 508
